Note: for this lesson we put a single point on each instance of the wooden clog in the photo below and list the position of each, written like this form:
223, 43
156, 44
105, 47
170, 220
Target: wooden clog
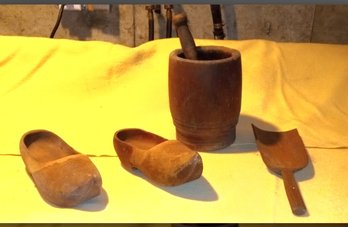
62, 176
164, 162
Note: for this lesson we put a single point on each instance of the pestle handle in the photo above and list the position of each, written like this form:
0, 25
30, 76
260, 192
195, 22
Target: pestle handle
187, 42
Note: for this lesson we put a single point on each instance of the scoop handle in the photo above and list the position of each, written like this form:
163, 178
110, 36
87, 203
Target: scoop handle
187, 42
293, 193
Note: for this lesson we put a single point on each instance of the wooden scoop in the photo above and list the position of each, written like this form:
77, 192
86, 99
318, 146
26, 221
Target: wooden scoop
284, 153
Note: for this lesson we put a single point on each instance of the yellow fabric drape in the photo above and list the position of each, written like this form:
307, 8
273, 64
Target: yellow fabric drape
86, 90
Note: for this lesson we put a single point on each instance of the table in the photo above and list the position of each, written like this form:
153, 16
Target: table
85, 90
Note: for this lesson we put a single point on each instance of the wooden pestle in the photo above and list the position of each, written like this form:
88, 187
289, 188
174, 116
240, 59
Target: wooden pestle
187, 42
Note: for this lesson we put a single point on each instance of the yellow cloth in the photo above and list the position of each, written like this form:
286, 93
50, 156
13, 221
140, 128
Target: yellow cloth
85, 91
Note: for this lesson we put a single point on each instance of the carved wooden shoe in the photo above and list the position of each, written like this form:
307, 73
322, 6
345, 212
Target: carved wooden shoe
62, 176
164, 162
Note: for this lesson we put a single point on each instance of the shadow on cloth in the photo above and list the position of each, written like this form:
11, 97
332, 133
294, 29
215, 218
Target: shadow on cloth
245, 142
199, 189
245, 138
95, 204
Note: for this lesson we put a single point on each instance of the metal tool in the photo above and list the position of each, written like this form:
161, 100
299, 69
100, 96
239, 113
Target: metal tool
150, 9
169, 14
217, 20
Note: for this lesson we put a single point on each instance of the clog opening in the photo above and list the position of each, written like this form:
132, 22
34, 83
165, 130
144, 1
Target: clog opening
33, 137
122, 135
139, 138
45, 146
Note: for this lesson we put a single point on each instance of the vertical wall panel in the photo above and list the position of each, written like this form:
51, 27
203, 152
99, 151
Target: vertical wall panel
128, 24
331, 24
275, 22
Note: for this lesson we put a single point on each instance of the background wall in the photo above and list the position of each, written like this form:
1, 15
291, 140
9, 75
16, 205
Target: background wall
128, 24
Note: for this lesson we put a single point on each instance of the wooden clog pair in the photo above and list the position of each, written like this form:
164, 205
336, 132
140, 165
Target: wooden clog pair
66, 178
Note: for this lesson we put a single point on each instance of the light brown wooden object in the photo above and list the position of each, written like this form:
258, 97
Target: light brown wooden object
284, 153
164, 162
63, 176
